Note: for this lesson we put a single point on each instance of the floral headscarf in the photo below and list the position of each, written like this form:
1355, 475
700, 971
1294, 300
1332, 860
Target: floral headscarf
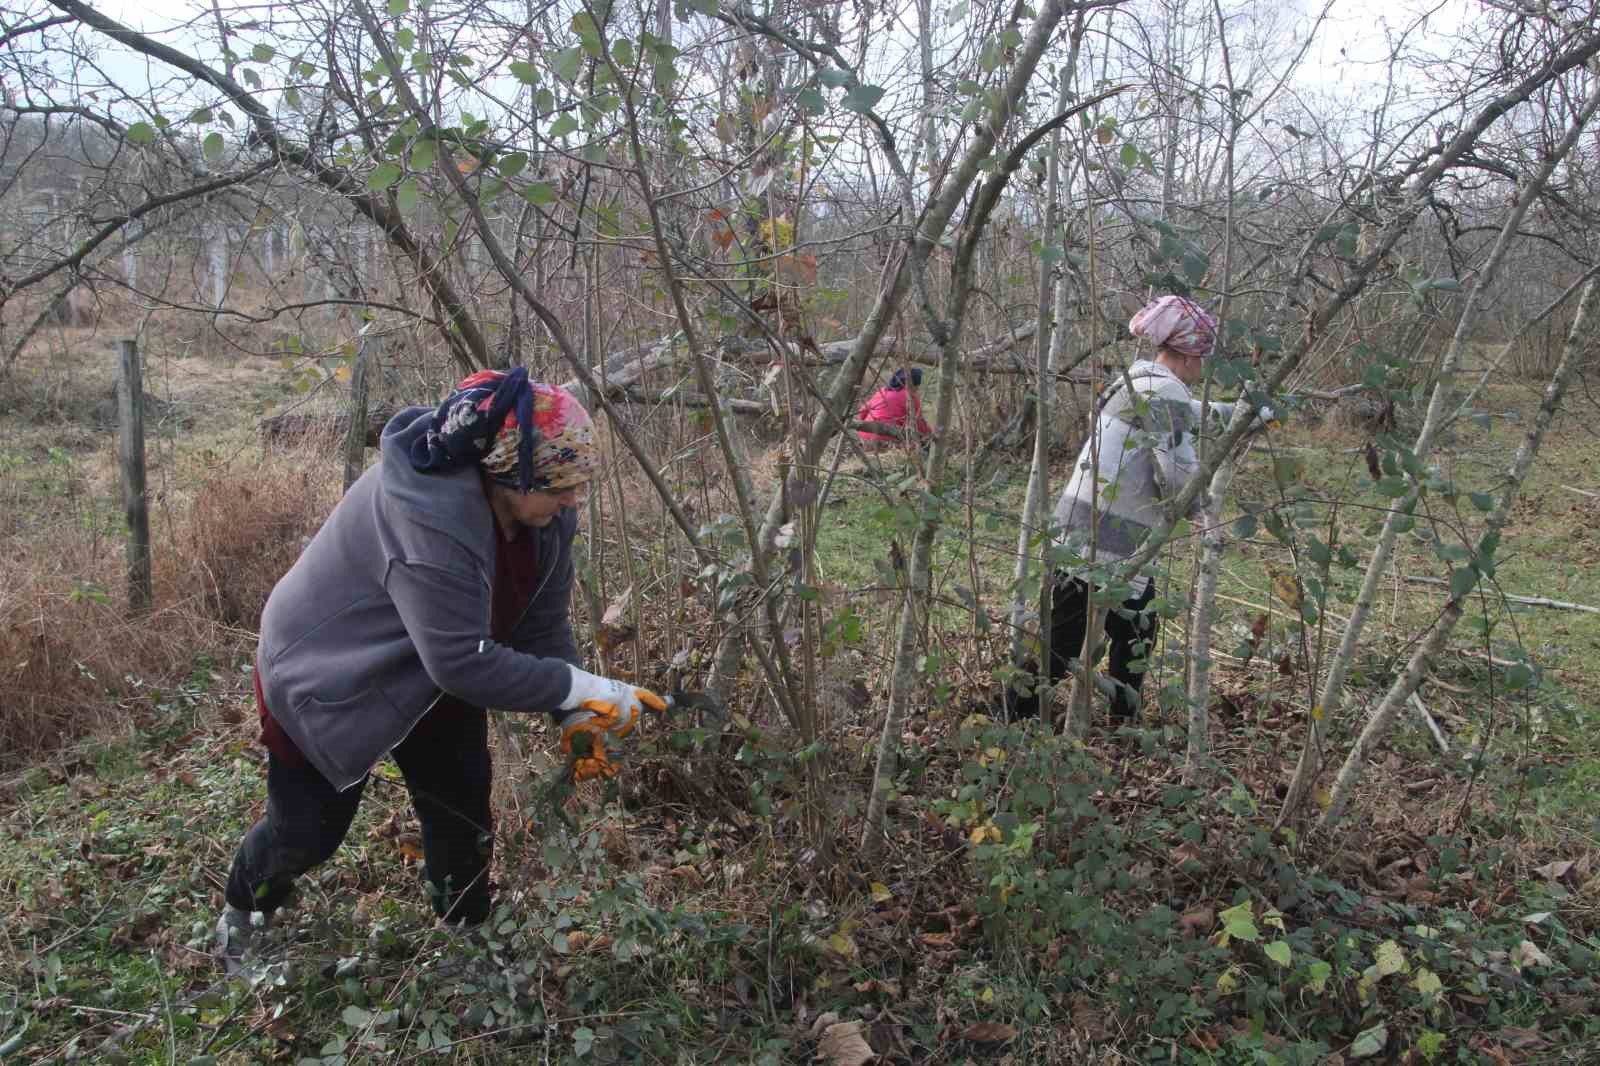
525, 434
1177, 323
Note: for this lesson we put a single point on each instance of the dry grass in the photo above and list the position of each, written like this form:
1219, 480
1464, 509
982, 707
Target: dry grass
72, 657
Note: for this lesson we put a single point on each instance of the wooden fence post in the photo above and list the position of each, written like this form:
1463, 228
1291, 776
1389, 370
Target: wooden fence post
355, 438
130, 449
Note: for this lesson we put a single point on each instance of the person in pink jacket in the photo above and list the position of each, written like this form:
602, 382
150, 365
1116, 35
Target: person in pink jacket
893, 405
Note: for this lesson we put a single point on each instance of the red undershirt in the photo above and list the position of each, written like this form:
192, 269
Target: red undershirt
516, 580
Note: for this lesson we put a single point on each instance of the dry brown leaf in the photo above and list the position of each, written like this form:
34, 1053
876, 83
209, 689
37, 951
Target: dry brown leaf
410, 845
938, 940
1554, 871
989, 1033
1527, 953
1197, 921
844, 1044
687, 875
1522, 1039
888, 989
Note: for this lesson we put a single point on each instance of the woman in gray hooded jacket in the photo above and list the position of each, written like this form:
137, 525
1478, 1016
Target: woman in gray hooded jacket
439, 586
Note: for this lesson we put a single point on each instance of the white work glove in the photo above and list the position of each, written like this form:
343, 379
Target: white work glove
605, 710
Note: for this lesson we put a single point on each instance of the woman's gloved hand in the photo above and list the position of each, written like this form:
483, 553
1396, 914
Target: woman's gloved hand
604, 710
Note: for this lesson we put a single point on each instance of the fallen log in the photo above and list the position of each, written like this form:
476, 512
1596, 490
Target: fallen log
295, 426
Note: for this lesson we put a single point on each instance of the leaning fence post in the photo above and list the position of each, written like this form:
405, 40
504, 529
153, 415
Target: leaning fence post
355, 438
130, 454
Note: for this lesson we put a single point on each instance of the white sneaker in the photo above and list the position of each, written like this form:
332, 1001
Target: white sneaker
237, 932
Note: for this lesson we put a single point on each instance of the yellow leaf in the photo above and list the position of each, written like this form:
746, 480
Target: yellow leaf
843, 945
1391, 959
1427, 982
1286, 587
988, 994
881, 893
1317, 713
342, 374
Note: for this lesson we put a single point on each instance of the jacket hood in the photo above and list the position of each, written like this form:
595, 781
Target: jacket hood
452, 502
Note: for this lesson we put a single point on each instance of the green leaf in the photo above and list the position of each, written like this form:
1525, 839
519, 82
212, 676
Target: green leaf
212, 146
423, 154
355, 1017
1244, 527
141, 133
262, 53
1463, 581
251, 78
1369, 1042
539, 194
1519, 675
399, 7
1482, 501
383, 175
1349, 241
291, 96
863, 98
582, 1041
511, 165
526, 73
200, 115
622, 52
405, 196
1240, 922
562, 126
834, 78
1130, 155
1317, 974
1279, 952
567, 63
1393, 486
812, 101
404, 39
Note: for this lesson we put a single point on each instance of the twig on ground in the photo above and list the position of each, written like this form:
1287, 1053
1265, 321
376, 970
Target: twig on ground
1433, 727
1582, 492
1528, 601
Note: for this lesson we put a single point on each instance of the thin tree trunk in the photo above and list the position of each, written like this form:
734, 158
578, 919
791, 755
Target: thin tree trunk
1440, 404
1214, 539
355, 437
1034, 506
1578, 346
918, 580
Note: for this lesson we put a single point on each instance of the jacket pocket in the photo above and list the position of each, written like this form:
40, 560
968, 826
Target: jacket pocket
348, 736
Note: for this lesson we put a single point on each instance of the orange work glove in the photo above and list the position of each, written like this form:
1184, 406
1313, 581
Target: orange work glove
605, 711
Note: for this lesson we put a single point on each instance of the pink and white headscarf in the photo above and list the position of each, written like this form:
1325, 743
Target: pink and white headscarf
1177, 323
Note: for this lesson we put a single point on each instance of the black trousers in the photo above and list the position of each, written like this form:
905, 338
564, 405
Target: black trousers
1130, 630
447, 770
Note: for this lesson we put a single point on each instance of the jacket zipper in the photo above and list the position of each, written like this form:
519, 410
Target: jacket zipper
487, 638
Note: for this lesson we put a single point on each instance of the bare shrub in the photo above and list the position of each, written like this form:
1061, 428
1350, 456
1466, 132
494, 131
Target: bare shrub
71, 657
247, 526
67, 646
